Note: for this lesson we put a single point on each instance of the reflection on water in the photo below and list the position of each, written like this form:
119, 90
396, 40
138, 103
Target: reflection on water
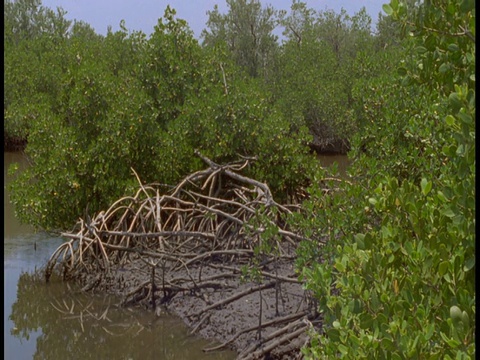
55, 321
79, 326
12, 226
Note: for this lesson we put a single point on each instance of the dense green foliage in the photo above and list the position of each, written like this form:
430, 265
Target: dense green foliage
316, 69
247, 31
397, 279
123, 102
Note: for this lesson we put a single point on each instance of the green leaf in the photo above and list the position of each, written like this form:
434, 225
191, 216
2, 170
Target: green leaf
426, 186
402, 71
407, 80
421, 49
429, 332
444, 336
387, 344
448, 212
467, 119
451, 8
449, 150
333, 334
454, 100
441, 196
366, 320
388, 9
386, 232
443, 267
453, 343
339, 266
453, 47
360, 239
450, 120
431, 42
375, 301
469, 264
465, 319
447, 277
467, 5
343, 349
444, 68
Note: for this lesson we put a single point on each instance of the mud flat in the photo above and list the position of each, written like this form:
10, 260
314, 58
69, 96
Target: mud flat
269, 318
217, 250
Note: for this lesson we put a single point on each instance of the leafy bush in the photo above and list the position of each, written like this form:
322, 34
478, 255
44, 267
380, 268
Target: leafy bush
313, 85
148, 114
399, 280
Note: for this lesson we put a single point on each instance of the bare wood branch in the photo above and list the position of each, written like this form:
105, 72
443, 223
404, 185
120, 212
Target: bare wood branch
264, 273
258, 354
253, 328
235, 297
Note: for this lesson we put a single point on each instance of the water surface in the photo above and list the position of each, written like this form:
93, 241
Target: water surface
56, 321
340, 161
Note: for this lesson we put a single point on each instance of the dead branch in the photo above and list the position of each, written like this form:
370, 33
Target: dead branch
235, 297
253, 328
264, 273
288, 337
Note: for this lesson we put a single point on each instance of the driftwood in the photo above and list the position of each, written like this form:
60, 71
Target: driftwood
270, 323
214, 218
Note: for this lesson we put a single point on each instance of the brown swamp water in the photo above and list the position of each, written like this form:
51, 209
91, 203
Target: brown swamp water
330, 161
55, 321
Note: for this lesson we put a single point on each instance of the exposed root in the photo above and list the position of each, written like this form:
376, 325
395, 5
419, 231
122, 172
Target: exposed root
216, 219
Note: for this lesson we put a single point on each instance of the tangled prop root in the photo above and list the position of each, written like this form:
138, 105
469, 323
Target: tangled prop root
213, 218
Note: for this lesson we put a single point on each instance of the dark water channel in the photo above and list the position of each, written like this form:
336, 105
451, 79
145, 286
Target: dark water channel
340, 161
55, 321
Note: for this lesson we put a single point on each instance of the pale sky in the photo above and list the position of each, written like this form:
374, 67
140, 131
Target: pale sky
143, 14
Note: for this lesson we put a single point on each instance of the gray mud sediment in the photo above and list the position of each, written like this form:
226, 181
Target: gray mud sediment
285, 302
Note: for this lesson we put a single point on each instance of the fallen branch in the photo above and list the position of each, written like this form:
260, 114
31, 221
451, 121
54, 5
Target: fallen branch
260, 353
264, 273
235, 297
251, 350
264, 325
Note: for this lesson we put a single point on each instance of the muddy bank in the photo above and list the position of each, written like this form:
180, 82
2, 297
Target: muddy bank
217, 250
246, 317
